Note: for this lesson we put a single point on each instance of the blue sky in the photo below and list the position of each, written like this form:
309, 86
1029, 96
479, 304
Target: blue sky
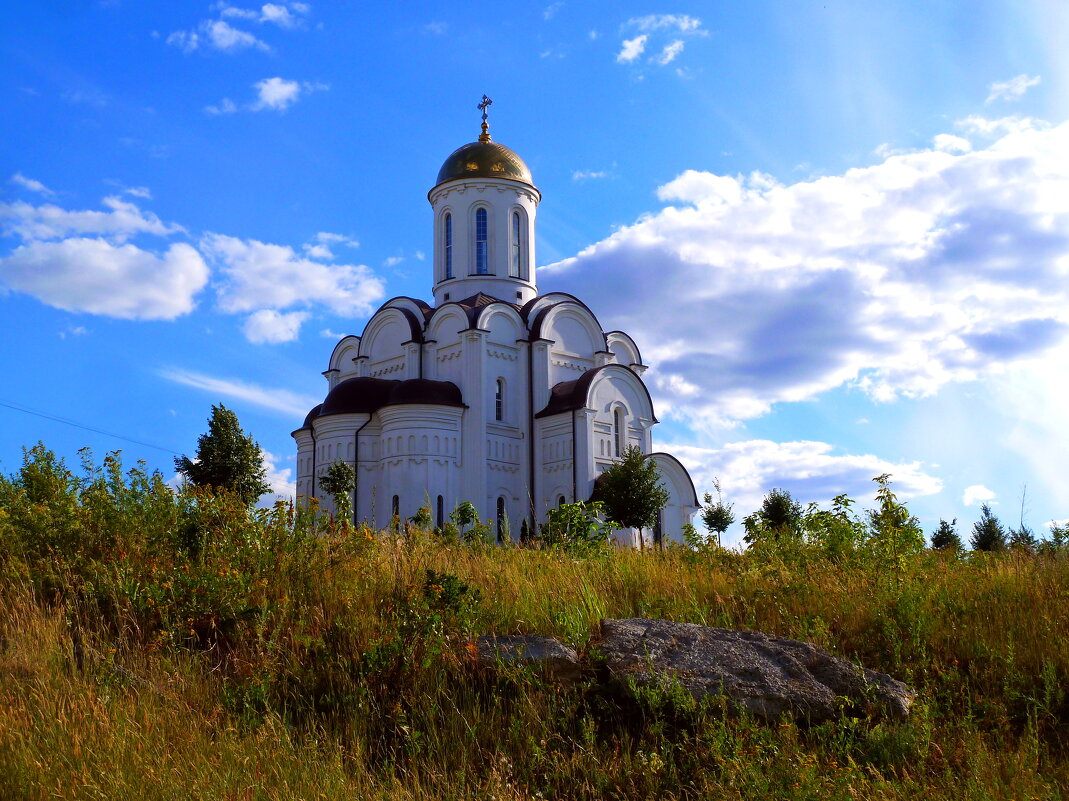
839, 231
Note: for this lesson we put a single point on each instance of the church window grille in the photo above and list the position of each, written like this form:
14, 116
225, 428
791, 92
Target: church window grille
482, 255
618, 432
499, 400
514, 261
448, 246
501, 520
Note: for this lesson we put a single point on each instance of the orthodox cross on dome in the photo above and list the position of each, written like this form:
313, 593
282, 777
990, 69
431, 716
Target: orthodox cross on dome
483, 106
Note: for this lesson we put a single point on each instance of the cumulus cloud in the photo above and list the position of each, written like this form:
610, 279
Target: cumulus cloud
1013, 89
631, 49
671, 50
123, 220
272, 94
95, 276
588, 175
284, 15
894, 279
259, 275
655, 22
811, 471
29, 183
268, 326
216, 35
278, 478
948, 143
976, 494
276, 399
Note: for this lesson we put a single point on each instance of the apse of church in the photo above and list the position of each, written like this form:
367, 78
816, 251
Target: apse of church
495, 394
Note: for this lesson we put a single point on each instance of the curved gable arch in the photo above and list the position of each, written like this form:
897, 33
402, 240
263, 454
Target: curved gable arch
615, 384
386, 333
446, 323
419, 308
341, 359
572, 327
504, 323
623, 347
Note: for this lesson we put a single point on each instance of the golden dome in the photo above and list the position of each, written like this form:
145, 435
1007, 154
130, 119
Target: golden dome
484, 159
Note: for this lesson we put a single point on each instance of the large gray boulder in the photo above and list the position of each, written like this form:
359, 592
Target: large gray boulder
764, 676
547, 653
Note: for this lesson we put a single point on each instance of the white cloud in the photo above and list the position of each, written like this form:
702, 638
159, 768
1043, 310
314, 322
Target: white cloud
276, 93
1013, 89
279, 400
587, 175
279, 478
551, 10
258, 275
285, 15
632, 49
811, 471
98, 277
975, 124
268, 326
29, 183
671, 50
654, 22
894, 279
142, 192
224, 106
52, 222
326, 333
948, 143
437, 28
976, 495
393, 261
217, 35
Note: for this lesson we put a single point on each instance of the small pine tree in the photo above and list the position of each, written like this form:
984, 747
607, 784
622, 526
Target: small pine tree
945, 538
988, 532
1022, 539
778, 518
631, 491
227, 458
339, 481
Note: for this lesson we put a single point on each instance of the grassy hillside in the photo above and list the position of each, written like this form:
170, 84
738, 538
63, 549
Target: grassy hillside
155, 645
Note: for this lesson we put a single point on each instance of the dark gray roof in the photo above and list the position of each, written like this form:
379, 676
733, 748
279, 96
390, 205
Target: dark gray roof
365, 395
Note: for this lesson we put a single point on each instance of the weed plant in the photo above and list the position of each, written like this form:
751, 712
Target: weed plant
156, 644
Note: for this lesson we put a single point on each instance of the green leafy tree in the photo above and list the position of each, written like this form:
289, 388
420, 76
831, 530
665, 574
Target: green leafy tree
945, 538
835, 532
631, 491
988, 533
227, 458
579, 528
894, 533
717, 516
778, 519
339, 482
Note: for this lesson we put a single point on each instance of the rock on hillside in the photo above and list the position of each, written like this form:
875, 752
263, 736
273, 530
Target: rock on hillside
762, 675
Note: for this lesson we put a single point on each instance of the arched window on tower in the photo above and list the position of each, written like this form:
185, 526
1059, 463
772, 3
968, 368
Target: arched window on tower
514, 256
448, 237
482, 255
499, 399
618, 432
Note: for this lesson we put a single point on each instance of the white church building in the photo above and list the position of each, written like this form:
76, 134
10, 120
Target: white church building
493, 394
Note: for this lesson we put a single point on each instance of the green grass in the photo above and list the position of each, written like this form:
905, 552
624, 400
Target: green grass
163, 646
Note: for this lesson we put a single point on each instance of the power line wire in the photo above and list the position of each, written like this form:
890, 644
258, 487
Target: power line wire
67, 422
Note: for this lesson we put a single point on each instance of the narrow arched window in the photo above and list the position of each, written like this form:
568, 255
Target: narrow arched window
441, 511
448, 237
499, 400
482, 255
396, 506
502, 525
560, 501
514, 260
618, 431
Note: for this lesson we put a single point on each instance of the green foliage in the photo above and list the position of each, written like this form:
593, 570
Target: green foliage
339, 482
988, 533
836, 533
894, 534
226, 459
631, 490
777, 521
303, 661
945, 538
717, 515
422, 518
1022, 539
579, 528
